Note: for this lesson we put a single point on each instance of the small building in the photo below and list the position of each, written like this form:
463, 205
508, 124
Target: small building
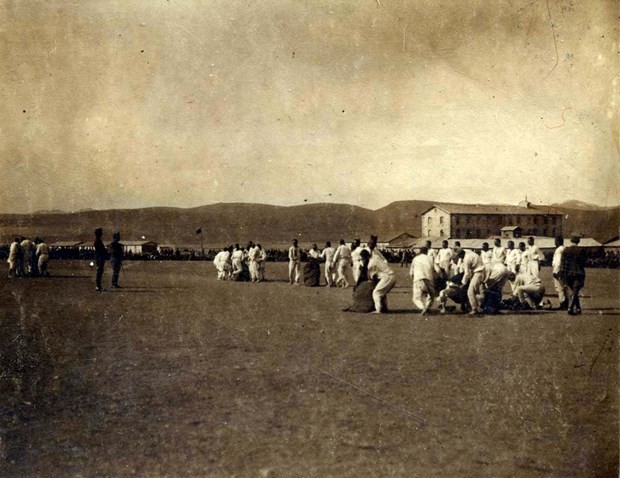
139, 247
511, 232
402, 241
613, 246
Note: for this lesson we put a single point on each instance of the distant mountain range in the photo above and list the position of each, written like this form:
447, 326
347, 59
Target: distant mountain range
224, 223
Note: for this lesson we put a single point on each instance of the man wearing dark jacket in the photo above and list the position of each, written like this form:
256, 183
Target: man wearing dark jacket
116, 258
573, 273
101, 255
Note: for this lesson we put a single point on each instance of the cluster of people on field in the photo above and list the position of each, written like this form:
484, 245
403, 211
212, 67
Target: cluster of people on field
28, 258
241, 264
476, 281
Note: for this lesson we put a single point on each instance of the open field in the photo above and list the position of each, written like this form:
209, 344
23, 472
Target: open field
178, 374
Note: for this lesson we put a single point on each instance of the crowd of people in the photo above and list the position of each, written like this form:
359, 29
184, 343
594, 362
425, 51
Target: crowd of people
473, 280
28, 258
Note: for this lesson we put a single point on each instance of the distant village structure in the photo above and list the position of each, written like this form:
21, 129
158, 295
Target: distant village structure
468, 221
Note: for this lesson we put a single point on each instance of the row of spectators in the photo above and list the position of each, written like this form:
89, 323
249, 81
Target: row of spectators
597, 257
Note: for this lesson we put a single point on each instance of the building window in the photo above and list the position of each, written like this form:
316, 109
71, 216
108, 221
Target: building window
441, 233
458, 233
430, 221
545, 219
468, 233
478, 234
441, 221
429, 233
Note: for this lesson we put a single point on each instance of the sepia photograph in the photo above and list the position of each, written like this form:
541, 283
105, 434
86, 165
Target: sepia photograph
310, 238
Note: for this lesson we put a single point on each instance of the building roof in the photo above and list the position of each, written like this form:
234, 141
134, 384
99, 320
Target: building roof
403, 240
137, 243
542, 241
495, 209
66, 244
615, 243
510, 228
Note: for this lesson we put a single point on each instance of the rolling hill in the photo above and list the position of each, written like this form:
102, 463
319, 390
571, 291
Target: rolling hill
224, 223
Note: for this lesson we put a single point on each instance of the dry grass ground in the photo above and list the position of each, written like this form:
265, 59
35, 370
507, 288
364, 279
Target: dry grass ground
181, 375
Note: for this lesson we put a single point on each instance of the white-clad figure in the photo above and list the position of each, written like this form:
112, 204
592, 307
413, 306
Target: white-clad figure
227, 263
486, 254
443, 261
524, 263
432, 254
535, 257
294, 263
262, 262
237, 257
529, 290
457, 262
28, 248
473, 273
513, 257
556, 266
314, 252
43, 255
218, 262
498, 255
15, 256
330, 270
423, 273
378, 268
253, 253
356, 259
342, 258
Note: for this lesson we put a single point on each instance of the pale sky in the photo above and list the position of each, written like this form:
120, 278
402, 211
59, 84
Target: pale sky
114, 104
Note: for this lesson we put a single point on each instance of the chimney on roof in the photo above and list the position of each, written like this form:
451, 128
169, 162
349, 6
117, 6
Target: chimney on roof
525, 203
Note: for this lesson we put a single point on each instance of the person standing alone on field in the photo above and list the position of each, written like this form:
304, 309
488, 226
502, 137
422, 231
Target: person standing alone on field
116, 258
43, 255
101, 255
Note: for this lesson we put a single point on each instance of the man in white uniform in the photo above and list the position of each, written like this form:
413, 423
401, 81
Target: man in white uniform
218, 262
29, 256
432, 254
379, 268
328, 256
262, 261
43, 255
486, 254
356, 259
342, 258
422, 272
513, 257
253, 253
444, 259
473, 274
15, 256
535, 257
524, 263
556, 266
499, 253
294, 263
237, 261
529, 290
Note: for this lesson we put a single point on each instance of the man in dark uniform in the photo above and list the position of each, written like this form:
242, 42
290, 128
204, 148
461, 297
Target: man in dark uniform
573, 273
101, 255
116, 258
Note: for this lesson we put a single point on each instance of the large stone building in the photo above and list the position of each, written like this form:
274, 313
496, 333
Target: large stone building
465, 221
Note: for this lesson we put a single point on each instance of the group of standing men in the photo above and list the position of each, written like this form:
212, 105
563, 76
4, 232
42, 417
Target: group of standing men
241, 264
28, 258
115, 254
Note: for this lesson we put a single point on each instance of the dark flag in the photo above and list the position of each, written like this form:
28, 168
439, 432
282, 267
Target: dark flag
199, 230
